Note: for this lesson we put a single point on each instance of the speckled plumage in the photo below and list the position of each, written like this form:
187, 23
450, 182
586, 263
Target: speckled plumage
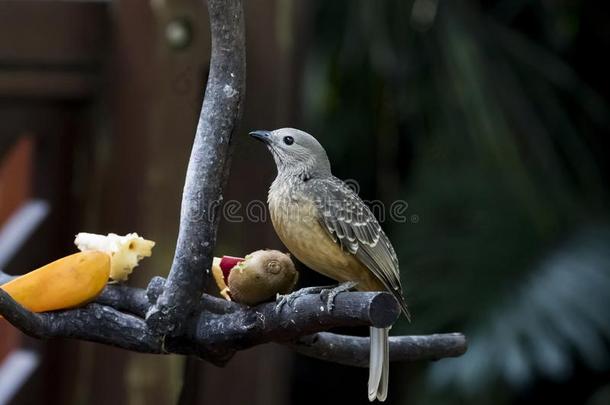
328, 227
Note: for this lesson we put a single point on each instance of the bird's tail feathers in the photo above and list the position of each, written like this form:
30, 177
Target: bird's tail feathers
379, 364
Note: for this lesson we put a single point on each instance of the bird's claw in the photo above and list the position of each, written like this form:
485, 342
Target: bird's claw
288, 299
327, 294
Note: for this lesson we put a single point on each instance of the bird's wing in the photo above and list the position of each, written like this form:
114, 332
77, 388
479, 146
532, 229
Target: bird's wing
350, 223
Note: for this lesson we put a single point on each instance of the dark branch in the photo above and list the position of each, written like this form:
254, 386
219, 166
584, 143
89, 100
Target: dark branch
354, 351
220, 328
207, 170
95, 323
28, 322
138, 301
126, 299
215, 336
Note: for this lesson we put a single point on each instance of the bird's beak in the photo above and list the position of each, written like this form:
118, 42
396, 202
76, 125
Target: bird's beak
264, 136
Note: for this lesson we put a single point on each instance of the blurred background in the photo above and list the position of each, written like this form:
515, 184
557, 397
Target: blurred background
489, 118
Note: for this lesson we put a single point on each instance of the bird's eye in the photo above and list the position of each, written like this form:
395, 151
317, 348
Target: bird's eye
288, 140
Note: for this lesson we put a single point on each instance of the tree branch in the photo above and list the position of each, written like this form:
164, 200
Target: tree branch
127, 299
207, 170
95, 323
219, 328
354, 351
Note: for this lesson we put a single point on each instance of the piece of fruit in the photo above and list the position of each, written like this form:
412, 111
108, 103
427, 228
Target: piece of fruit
125, 251
227, 263
263, 275
65, 283
221, 267
257, 278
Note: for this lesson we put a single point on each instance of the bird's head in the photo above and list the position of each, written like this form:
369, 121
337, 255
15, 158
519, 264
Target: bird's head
295, 152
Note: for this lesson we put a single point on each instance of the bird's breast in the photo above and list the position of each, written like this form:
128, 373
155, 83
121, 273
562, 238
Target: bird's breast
296, 222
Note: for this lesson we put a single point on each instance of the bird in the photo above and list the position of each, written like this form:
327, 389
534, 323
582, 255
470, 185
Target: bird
327, 227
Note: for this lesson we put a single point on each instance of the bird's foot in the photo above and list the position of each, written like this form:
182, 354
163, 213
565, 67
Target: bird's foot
329, 294
288, 299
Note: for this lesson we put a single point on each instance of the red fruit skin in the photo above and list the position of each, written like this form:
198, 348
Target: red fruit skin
227, 263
